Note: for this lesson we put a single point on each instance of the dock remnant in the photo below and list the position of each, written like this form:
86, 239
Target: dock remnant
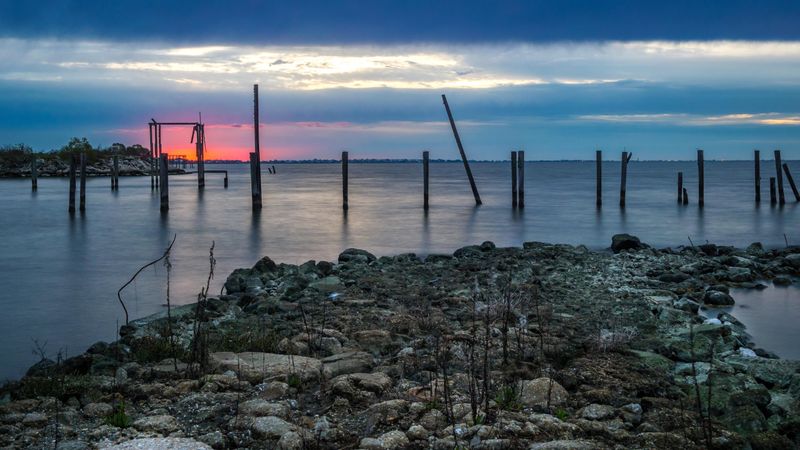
685, 196
779, 177
255, 188
83, 181
757, 175
598, 161
344, 181
255, 172
680, 187
34, 173
164, 178
772, 196
513, 179
520, 179
73, 163
425, 178
623, 180
700, 179
461, 150
790, 179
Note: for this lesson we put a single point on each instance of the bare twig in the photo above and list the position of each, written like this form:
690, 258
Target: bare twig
119, 292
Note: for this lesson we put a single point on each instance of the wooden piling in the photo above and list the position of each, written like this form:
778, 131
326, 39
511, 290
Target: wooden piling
685, 197
255, 175
700, 179
157, 160
520, 179
757, 175
623, 180
73, 162
34, 174
425, 178
463, 154
791, 182
598, 160
83, 181
680, 187
344, 181
164, 176
152, 172
513, 179
255, 188
772, 197
115, 173
779, 177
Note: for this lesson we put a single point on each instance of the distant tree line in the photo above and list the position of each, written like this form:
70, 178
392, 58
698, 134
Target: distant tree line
21, 153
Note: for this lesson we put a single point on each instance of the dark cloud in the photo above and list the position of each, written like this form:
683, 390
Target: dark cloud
392, 21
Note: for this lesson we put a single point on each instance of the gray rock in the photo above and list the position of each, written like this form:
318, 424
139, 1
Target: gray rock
394, 439
793, 260
632, 413
72, 445
534, 393
256, 367
260, 408
159, 444
290, 441
163, 424
782, 280
597, 412
717, 298
620, 242
565, 444
345, 363
356, 255
417, 433
271, 427
97, 409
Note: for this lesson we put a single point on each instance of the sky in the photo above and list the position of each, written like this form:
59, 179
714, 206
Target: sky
557, 79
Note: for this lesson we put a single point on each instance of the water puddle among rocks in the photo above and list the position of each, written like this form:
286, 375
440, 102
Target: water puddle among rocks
771, 315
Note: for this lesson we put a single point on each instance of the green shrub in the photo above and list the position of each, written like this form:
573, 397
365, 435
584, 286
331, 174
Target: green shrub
508, 399
118, 418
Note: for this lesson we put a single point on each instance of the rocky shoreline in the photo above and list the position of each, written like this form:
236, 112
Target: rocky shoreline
539, 347
55, 167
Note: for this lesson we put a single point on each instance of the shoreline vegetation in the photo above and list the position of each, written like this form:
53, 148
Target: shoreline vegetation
535, 347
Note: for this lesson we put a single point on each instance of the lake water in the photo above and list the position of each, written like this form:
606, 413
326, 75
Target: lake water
59, 274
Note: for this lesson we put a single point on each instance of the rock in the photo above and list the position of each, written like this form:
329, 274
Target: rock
256, 367
271, 427
534, 393
417, 433
632, 413
159, 444
392, 440
290, 441
34, 419
72, 445
374, 340
565, 445
782, 280
755, 249
98, 410
597, 412
374, 382
265, 265
260, 408
433, 420
273, 390
717, 298
621, 242
793, 260
328, 284
673, 277
345, 363
163, 424
355, 255
686, 304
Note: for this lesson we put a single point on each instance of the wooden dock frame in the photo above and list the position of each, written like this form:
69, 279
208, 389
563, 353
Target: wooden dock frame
163, 171
461, 151
790, 179
779, 177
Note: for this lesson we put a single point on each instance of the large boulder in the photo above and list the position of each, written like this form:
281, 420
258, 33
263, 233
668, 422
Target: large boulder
356, 255
717, 298
620, 242
159, 444
542, 392
257, 367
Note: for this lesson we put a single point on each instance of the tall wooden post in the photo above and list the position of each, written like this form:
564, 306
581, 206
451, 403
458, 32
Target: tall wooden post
344, 181
700, 179
116, 172
513, 179
521, 179
779, 177
152, 172
73, 162
685, 197
34, 173
757, 175
623, 180
772, 197
425, 178
463, 155
598, 159
164, 175
791, 182
680, 186
83, 181
255, 175
157, 160
255, 188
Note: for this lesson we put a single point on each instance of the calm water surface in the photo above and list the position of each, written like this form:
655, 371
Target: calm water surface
59, 274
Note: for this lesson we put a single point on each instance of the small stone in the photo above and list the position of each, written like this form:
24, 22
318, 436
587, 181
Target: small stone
417, 433
34, 420
163, 424
597, 412
290, 441
782, 280
260, 408
271, 427
97, 410
632, 413
273, 390
717, 298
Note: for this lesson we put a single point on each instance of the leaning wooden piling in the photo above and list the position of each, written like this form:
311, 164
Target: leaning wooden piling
623, 179
791, 182
680, 187
700, 179
164, 179
425, 179
344, 181
255, 174
779, 177
83, 181
73, 163
598, 162
513, 179
115, 177
757, 175
772, 197
34, 174
520, 179
463, 154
